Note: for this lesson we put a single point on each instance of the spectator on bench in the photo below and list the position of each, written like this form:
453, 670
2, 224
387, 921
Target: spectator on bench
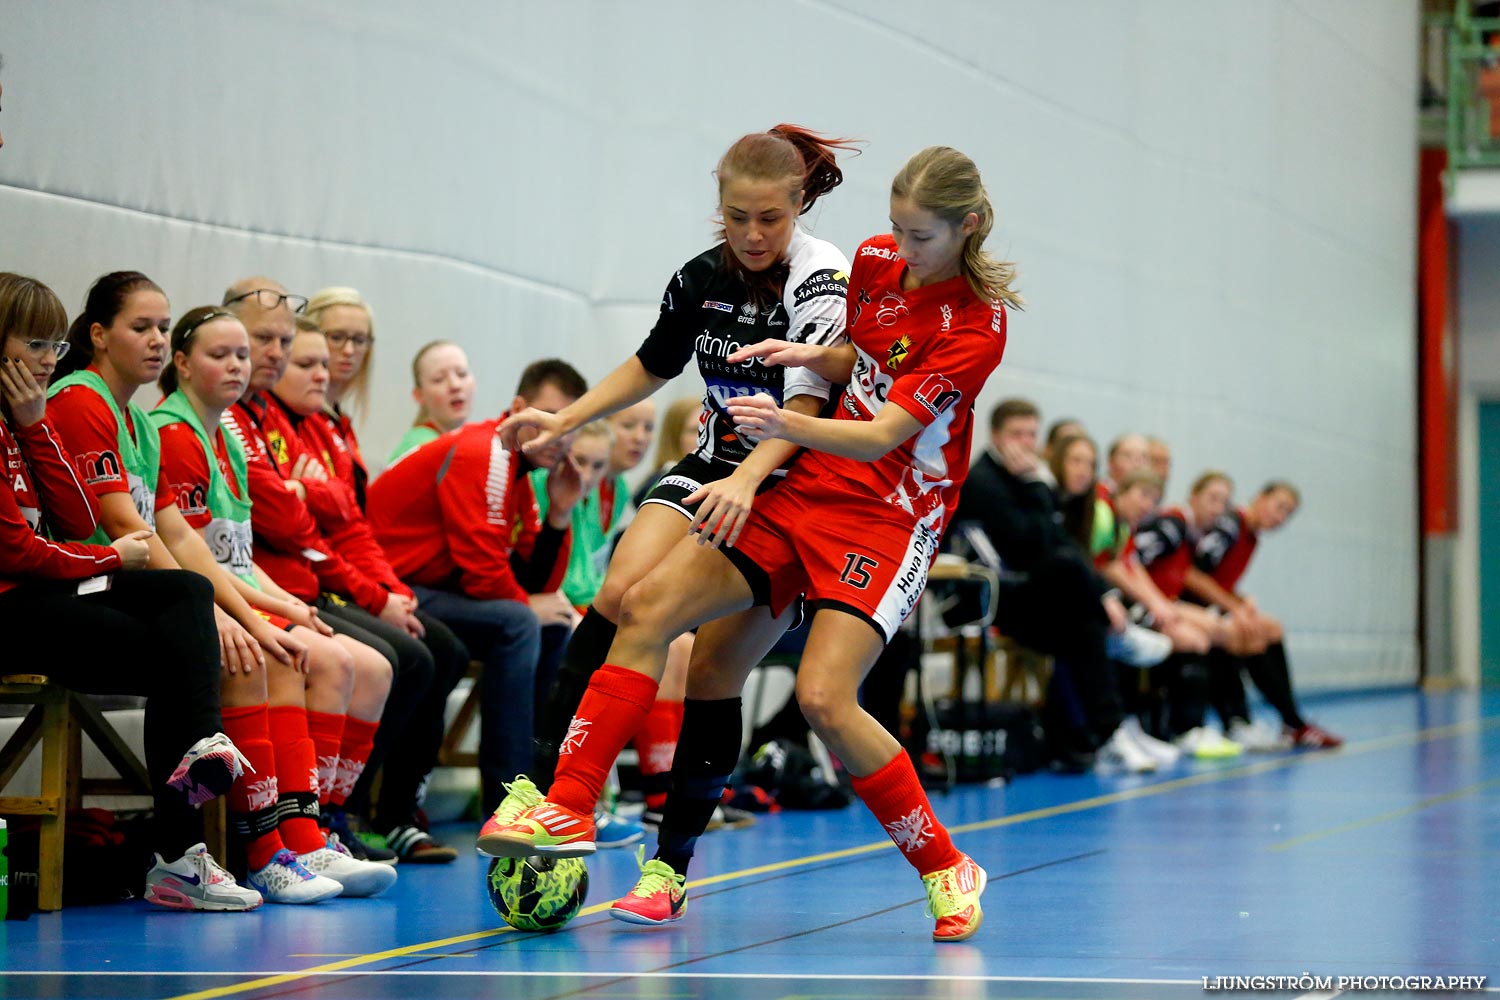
87, 596
443, 387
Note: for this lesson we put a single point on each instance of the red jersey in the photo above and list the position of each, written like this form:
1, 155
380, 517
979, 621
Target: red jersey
1225, 549
288, 543
459, 514
350, 535
184, 468
84, 420
929, 351
40, 483
341, 428
1164, 542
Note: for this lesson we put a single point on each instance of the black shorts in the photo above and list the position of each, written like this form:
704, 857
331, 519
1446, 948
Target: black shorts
688, 476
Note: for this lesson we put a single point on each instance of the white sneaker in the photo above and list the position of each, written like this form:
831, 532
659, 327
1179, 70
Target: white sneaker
196, 882
1121, 753
359, 878
1138, 646
208, 769
1206, 743
1257, 737
1164, 753
284, 879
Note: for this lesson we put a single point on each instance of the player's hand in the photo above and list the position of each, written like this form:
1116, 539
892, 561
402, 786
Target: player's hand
295, 486
530, 429
778, 352
757, 417
1115, 609
724, 506
133, 549
282, 646
22, 393
564, 487
552, 609
239, 653
1164, 614
309, 469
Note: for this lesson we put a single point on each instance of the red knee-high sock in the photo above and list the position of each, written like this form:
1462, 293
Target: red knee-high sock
354, 751
252, 799
297, 773
895, 796
656, 744
609, 714
327, 732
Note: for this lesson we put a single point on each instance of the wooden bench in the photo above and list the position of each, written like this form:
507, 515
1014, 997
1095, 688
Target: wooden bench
58, 720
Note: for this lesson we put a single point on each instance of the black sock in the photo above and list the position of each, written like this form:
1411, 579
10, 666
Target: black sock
707, 751
1270, 673
587, 649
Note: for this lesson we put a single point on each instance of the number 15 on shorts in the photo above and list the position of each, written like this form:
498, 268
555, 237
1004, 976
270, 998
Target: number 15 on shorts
856, 572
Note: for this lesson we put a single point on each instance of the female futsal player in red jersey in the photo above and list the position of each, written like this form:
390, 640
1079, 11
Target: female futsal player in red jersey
854, 526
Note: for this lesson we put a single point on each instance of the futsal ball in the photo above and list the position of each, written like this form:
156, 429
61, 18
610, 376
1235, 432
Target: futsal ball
537, 893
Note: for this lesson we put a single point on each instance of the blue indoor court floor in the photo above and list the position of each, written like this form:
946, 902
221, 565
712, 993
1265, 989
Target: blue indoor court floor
1378, 859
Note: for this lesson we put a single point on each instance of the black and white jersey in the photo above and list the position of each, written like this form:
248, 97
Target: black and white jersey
707, 311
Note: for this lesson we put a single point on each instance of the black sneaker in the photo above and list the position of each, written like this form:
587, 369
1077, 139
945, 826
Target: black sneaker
352, 832
416, 847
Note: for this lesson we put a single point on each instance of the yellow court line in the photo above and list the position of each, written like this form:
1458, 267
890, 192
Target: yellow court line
1128, 795
1360, 824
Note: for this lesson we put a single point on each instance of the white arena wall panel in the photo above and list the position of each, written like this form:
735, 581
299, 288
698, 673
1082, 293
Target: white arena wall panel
1212, 205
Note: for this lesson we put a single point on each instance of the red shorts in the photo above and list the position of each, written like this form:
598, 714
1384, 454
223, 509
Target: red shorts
859, 555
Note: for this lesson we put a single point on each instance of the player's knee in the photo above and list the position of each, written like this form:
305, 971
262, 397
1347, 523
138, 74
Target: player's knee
611, 596
823, 706
643, 607
331, 665
372, 672
248, 688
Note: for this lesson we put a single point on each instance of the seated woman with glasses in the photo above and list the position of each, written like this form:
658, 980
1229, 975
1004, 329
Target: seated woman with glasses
443, 386
99, 624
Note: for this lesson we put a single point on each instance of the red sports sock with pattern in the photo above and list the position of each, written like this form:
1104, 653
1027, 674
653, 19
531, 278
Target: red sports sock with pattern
297, 773
359, 740
655, 745
251, 801
895, 796
327, 733
609, 714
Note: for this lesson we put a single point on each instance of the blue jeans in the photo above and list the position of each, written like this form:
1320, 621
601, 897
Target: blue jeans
507, 638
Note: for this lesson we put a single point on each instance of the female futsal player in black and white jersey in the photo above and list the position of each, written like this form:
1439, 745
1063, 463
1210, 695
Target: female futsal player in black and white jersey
766, 278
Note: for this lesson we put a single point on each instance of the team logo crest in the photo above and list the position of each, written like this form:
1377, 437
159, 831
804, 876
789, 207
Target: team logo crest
578, 731
277, 444
911, 831
898, 352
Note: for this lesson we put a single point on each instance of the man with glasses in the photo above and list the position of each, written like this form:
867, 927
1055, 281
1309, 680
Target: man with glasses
287, 487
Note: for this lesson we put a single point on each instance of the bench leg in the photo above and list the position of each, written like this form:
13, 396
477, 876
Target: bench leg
61, 736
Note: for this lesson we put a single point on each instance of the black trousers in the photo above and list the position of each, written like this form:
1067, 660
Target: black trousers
151, 634
1056, 610
413, 663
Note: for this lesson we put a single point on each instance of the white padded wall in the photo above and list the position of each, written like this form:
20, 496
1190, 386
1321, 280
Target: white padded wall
1211, 204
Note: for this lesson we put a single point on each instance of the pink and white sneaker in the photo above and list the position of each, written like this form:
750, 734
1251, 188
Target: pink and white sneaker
208, 769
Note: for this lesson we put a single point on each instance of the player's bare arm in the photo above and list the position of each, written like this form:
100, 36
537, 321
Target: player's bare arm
832, 363
864, 440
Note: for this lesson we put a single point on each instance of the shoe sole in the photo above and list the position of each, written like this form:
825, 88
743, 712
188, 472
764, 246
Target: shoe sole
176, 901
631, 917
984, 881
320, 897
372, 882
499, 846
